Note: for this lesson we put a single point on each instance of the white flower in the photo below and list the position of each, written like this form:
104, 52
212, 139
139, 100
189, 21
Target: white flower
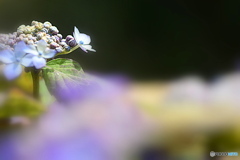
40, 53
83, 40
14, 60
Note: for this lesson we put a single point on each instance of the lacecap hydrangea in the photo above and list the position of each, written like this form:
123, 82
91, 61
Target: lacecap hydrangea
32, 46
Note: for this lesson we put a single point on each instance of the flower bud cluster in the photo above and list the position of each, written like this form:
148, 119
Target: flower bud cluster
35, 32
46, 31
7, 41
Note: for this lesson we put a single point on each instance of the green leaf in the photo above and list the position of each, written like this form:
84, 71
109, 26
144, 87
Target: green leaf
46, 98
17, 103
62, 74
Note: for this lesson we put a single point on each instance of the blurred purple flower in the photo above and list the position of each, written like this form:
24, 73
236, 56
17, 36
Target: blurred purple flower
80, 146
96, 122
8, 149
92, 87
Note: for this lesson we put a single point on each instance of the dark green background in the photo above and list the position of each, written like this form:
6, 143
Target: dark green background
144, 39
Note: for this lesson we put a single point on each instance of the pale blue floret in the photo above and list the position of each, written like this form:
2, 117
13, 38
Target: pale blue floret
83, 40
40, 53
14, 59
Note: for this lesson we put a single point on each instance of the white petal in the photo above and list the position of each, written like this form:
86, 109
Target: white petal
84, 49
7, 56
88, 47
41, 46
76, 34
49, 53
80, 37
31, 49
19, 49
84, 38
12, 71
39, 62
27, 60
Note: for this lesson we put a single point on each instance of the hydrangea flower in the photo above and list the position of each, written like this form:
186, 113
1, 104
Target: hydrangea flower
40, 53
14, 60
82, 40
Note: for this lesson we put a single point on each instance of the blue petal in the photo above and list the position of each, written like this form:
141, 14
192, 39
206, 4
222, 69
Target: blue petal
49, 53
19, 49
12, 71
41, 46
31, 49
6, 56
27, 60
39, 62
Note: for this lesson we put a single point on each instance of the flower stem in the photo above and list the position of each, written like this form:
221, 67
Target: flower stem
35, 78
67, 52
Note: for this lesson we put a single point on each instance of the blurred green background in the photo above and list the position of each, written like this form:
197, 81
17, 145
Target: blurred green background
140, 38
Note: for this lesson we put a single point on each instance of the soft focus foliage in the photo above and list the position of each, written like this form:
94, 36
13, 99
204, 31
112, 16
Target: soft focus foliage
62, 76
19, 104
16, 99
121, 120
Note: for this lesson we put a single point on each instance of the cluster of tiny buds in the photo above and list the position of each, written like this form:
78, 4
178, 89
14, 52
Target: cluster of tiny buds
31, 34
7, 41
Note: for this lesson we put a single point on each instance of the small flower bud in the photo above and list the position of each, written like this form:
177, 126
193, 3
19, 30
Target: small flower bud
15, 33
47, 24
34, 23
60, 36
63, 44
28, 30
11, 36
19, 31
53, 30
49, 40
39, 26
47, 36
72, 43
2, 46
69, 37
53, 45
56, 39
59, 49
18, 39
67, 48
30, 42
45, 39
44, 30
40, 35
2, 39
21, 27
11, 42
63, 40
21, 35
25, 40
29, 36
33, 38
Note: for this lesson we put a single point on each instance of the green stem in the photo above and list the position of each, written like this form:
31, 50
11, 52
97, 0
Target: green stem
35, 78
66, 52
